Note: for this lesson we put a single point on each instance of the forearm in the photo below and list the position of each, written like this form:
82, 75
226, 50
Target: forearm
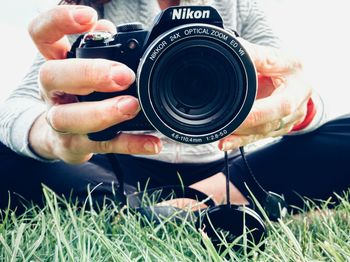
19, 112
17, 116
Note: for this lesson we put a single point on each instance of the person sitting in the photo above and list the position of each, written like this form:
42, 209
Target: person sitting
43, 131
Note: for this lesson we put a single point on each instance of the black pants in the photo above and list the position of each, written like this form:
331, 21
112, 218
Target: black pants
314, 165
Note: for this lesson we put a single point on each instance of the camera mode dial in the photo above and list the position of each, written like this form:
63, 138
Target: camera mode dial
97, 39
130, 27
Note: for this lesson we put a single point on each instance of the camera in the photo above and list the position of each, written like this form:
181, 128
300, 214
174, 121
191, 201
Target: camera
195, 82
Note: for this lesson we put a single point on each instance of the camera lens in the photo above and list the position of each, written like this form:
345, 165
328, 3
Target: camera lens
196, 86
196, 83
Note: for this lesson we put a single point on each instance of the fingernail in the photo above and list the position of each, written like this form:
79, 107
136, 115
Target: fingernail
151, 147
122, 75
228, 145
84, 15
128, 106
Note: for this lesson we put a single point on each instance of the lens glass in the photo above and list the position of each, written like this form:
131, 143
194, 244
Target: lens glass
197, 86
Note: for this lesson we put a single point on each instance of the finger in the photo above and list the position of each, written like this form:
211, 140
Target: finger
283, 102
260, 129
297, 116
128, 144
266, 129
301, 114
84, 76
235, 141
271, 61
89, 117
106, 26
265, 111
48, 30
266, 86
76, 149
274, 129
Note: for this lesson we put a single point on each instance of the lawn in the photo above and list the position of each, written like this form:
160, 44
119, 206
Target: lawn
63, 232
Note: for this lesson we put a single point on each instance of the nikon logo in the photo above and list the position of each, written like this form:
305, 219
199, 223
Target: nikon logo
188, 13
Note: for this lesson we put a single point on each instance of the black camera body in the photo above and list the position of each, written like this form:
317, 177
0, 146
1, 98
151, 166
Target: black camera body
195, 82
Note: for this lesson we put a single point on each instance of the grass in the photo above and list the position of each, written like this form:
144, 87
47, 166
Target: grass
62, 231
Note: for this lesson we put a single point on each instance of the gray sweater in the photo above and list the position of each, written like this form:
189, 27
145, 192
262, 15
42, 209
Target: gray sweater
24, 105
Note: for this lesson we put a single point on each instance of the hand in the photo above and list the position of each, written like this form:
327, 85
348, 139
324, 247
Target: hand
281, 99
61, 132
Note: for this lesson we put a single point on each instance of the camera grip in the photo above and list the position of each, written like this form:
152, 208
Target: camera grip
138, 123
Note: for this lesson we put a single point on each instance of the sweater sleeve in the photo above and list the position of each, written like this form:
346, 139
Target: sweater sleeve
20, 110
253, 24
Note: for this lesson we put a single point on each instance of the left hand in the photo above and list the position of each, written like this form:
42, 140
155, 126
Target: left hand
281, 100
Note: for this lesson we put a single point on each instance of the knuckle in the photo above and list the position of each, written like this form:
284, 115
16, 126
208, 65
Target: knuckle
111, 110
274, 126
87, 71
96, 72
56, 119
72, 146
46, 77
103, 119
110, 113
132, 145
105, 72
106, 117
266, 128
286, 107
255, 118
134, 148
66, 142
105, 146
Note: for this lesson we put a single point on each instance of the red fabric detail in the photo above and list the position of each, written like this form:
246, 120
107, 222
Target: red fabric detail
310, 114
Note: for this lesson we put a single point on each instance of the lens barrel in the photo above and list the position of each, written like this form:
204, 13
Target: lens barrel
196, 83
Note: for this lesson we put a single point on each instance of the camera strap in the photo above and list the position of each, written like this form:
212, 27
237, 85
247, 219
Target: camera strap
250, 171
274, 204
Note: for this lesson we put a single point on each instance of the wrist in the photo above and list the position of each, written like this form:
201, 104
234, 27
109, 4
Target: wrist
315, 116
39, 139
310, 114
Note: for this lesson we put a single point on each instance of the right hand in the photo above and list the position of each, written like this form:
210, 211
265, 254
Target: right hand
61, 132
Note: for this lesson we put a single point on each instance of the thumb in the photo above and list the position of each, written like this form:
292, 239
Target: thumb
270, 61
